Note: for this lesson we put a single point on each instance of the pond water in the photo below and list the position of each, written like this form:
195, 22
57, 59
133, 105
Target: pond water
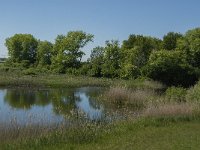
49, 105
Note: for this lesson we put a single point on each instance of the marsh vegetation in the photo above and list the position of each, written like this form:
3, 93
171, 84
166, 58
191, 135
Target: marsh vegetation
113, 110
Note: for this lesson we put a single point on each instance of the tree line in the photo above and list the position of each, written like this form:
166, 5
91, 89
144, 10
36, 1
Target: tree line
173, 60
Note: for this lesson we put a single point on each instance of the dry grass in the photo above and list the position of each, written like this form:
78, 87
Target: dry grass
151, 104
15, 132
117, 95
152, 85
172, 110
136, 99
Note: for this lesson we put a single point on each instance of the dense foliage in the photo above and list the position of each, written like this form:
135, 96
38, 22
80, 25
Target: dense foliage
173, 60
22, 48
170, 68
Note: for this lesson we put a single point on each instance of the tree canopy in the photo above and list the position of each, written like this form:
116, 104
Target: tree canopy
170, 40
67, 51
173, 60
44, 53
22, 47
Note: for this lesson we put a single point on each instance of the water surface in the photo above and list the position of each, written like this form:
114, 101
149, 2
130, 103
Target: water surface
49, 105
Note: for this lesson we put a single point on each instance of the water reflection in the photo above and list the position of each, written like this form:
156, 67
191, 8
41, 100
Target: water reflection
59, 102
64, 101
21, 98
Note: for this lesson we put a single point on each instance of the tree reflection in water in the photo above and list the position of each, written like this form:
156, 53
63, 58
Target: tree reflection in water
63, 101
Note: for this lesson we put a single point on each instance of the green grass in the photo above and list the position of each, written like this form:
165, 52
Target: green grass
145, 134
176, 136
18, 79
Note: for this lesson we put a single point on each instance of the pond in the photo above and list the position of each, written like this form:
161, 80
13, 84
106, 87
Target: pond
49, 105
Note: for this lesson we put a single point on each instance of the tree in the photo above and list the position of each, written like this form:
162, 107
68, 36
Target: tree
44, 53
67, 50
135, 54
170, 40
96, 61
22, 47
111, 65
170, 68
189, 46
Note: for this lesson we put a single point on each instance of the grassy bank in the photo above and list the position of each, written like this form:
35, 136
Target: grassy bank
175, 136
143, 134
18, 79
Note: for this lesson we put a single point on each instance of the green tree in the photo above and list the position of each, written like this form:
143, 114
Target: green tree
170, 40
67, 50
22, 47
44, 53
135, 54
96, 61
111, 66
170, 68
189, 45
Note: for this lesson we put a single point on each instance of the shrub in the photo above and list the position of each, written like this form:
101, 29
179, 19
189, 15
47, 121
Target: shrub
30, 71
44, 70
176, 94
170, 68
4, 69
193, 94
129, 71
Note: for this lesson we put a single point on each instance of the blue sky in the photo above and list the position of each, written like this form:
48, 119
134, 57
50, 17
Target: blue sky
106, 19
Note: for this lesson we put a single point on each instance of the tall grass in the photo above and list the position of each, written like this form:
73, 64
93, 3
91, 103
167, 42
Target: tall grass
75, 131
151, 103
135, 99
169, 110
193, 94
176, 94
33, 137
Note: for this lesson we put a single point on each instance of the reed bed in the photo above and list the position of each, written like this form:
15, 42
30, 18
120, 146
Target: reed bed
169, 110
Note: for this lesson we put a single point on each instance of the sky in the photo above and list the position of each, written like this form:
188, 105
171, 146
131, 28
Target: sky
105, 19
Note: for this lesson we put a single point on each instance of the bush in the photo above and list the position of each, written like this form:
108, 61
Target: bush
4, 69
9, 69
193, 94
170, 68
176, 94
129, 71
84, 69
30, 71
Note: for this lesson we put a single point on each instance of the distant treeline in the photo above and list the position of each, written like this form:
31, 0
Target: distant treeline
2, 60
174, 60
